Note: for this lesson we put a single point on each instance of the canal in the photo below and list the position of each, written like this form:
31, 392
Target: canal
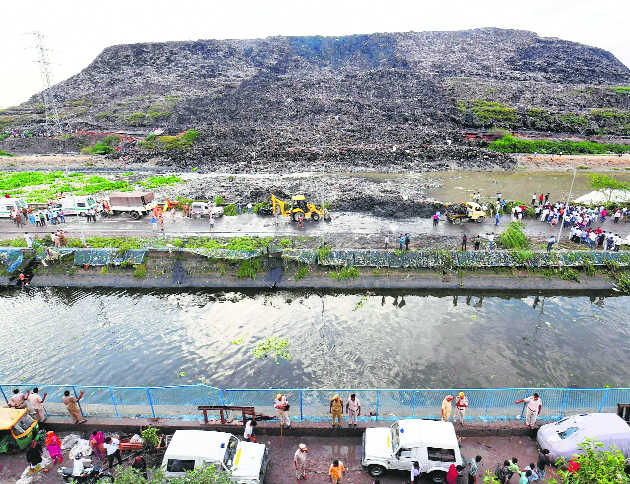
116, 337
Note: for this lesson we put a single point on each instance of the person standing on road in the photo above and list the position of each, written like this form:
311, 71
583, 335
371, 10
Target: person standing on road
447, 407
543, 461
37, 404
211, 220
353, 409
53, 445
533, 199
477, 243
464, 240
282, 406
436, 219
238, 208
407, 242
547, 198
153, 223
249, 208
335, 410
550, 241
497, 217
72, 404
336, 471
473, 469
386, 242
491, 242
401, 241
416, 470
34, 456
461, 403
532, 410
299, 460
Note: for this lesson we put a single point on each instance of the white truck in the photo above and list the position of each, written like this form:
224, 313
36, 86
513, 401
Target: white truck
76, 205
204, 209
193, 449
6, 204
136, 204
433, 444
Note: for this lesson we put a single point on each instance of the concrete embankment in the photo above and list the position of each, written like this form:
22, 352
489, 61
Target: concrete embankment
352, 270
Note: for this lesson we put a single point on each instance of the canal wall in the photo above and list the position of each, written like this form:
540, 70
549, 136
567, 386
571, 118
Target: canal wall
326, 269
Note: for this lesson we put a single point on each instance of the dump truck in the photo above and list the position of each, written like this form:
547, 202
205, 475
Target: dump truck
136, 204
465, 212
298, 206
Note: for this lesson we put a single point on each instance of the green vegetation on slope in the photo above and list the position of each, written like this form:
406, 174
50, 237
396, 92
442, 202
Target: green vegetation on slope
510, 144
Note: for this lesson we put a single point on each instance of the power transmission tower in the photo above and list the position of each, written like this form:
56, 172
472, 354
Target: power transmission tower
51, 110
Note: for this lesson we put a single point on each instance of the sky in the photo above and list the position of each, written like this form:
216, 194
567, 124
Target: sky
77, 31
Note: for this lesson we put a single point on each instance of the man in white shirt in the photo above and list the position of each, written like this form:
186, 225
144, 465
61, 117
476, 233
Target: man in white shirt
78, 467
532, 410
281, 404
18, 400
353, 409
299, 460
248, 435
112, 445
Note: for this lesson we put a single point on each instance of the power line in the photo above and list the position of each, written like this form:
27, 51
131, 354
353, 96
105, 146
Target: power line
51, 109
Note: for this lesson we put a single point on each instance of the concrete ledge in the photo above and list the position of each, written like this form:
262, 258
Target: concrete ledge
134, 425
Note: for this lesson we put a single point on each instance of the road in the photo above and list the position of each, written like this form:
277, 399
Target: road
343, 224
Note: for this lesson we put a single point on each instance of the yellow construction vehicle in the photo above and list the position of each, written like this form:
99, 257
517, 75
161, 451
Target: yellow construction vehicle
298, 206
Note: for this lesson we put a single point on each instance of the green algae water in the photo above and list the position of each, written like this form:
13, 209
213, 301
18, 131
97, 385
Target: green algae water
116, 337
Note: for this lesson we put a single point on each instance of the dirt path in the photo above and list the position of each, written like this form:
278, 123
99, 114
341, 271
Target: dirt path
559, 162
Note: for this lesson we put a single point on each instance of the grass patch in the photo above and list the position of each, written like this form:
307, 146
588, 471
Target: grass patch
568, 274
510, 144
491, 112
219, 201
103, 270
621, 89
5, 153
230, 210
248, 269
140, 272
582, 167
285, 243
344, 273
323, 252
513, 236
301, 272
159, 181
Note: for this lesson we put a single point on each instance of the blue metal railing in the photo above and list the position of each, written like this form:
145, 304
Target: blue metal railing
181, 401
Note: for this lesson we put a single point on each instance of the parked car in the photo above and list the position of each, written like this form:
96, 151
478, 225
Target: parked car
136, 204
204, 209
432, 443
6, 204
193, 449
563, 437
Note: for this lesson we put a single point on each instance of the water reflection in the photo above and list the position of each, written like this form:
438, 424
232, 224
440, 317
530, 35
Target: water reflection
385, 340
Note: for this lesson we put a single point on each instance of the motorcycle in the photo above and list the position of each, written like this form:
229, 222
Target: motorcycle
90, 475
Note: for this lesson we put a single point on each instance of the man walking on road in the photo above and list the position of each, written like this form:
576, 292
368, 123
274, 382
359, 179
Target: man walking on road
532, 410
464, 240
299, 460
497, 217
550, 241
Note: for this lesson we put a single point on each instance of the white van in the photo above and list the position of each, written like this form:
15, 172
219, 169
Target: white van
433, 444
75, 204
193, 449
6, 204
204, 209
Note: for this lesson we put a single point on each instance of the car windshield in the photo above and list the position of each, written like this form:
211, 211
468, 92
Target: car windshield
230, 452
23, 424
567, 433
395, 437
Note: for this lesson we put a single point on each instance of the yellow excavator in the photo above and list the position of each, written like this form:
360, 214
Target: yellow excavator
297, 206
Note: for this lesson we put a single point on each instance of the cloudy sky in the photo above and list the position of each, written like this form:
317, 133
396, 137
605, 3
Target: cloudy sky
77, 31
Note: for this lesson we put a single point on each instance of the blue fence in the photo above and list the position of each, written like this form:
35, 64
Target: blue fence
485, 404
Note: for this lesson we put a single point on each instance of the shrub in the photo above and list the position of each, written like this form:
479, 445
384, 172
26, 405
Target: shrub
190, 135
104, 270
596, 465
493, 112
510, 144
301, 272
5, 153
513, 236
344, 273
113, 140
178, 243
219, 201
150, 138
136, 119
150, 438
98, 149
230, 210
284, 243
259, 205
323, 252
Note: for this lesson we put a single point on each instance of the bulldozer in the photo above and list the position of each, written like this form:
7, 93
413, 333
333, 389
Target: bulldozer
298, 206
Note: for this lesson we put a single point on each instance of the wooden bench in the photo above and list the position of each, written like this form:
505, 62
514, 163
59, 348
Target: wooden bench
246, 412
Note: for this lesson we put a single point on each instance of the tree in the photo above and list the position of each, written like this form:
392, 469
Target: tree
607, 185
205, 475
596, 466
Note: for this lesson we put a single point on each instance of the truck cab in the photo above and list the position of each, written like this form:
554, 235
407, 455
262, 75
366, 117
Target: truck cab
433, 444
194, 449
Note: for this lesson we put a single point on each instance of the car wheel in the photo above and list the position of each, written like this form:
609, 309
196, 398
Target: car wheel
315, 217
296, 216
480, 220
135, 215
438, 477
375, 470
